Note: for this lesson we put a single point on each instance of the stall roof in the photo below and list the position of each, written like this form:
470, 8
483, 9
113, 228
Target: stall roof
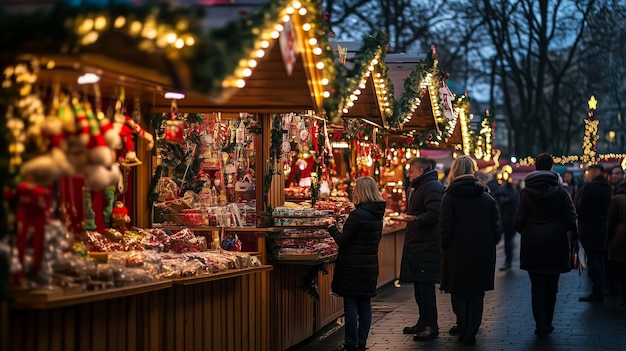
373, 89
402, 66
208, 70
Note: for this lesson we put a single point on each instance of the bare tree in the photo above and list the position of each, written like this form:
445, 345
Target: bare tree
536, 83
604, 65
413, 26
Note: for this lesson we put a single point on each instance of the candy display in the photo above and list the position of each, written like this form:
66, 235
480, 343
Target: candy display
305, 244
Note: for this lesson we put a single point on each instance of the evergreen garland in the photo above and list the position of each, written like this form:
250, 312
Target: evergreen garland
183, 158
347, 81
412, 90
276, 139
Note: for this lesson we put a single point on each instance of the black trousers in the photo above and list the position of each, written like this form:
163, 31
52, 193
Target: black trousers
469, 313
543, 287
426, 304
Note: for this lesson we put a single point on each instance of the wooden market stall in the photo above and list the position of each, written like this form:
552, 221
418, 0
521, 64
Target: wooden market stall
371, 101
229, 310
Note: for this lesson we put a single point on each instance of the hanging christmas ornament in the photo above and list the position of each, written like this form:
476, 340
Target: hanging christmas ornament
174, 128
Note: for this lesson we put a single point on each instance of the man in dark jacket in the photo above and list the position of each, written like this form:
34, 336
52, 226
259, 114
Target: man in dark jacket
592, 206
421, 252
544, 217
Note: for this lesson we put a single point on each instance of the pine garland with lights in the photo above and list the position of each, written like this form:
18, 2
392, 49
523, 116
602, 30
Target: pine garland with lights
374, 44
412, 90
212, 54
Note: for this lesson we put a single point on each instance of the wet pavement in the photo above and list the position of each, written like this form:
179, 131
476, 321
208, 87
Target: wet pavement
507, 319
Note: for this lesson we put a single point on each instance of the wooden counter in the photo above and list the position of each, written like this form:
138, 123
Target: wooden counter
390, 254
297, 315
223, 311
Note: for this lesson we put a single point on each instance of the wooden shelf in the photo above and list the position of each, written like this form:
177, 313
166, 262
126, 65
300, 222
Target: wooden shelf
306, 260
41, 299
253, 229
220, 275
217, 229
302, 226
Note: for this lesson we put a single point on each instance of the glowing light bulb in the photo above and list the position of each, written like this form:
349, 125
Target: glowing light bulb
306, 27
324, 81
302, 11
317, 51
252, 63
246, 72
265, 44
241, 83
313, 41
320, 65
260, 53
119, 22
326, 94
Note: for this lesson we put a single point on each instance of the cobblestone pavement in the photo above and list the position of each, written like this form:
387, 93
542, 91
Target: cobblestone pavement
507, 319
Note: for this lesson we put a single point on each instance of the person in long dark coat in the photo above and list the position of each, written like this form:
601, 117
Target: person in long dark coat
421, 257
356, 270
507, 198
592, 206
616, 237
469, 234
546, 220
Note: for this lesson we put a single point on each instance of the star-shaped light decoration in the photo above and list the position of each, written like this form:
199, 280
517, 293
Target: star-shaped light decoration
592, 103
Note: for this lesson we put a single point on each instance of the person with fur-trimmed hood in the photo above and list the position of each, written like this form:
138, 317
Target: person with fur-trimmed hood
546, 220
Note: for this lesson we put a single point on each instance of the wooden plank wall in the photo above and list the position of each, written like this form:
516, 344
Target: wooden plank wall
292, 308
127, 323
387, 259
228, 314
222, 315
399, 245
329, 307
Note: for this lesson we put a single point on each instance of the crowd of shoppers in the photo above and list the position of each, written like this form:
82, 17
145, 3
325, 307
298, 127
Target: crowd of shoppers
452, 233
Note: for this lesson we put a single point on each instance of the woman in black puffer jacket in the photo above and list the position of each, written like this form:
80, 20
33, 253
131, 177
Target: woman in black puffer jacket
356, 270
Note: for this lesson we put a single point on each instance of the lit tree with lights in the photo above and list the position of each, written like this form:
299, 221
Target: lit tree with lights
590, 138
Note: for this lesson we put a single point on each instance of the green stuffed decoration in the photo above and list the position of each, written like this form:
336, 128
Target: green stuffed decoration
109, 196
90, 215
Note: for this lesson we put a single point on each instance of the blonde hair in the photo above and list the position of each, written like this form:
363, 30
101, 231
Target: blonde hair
461, 165
366, 190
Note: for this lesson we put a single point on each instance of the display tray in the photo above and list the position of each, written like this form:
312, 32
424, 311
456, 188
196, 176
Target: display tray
300, 257
231, 273
305, 259
59, 297
206, 229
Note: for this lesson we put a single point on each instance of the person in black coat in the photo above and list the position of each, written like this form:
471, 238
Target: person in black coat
470, 231
421, 257
356, 270
507, 198
592, 206
546, 220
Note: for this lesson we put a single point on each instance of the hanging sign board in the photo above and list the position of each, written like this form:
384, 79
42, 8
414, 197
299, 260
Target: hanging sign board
288, 46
